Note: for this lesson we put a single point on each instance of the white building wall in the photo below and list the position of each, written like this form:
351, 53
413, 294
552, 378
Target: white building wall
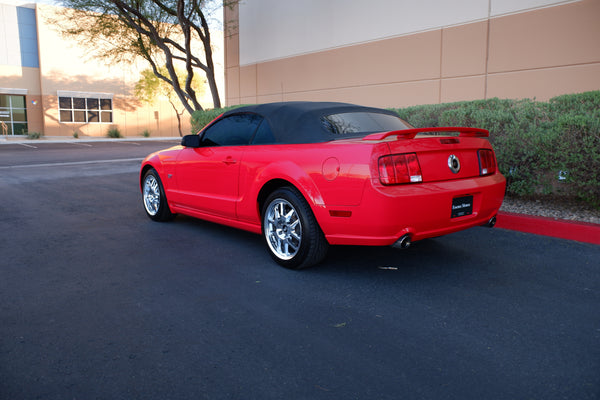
275, 29
10, 48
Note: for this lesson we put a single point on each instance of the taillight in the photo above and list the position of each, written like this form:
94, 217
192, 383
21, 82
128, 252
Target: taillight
487, 162
399, 168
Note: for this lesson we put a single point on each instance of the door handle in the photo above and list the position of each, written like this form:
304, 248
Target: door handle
230, 160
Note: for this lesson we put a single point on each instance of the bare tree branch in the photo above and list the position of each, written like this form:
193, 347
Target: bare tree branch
161, 32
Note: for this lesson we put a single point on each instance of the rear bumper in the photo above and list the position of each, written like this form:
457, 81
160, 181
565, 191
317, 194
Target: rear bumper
420, 210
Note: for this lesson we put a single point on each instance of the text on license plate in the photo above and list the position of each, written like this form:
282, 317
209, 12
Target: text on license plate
462, 206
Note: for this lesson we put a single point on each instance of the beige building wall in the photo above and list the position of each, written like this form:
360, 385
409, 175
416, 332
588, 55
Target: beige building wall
509, 49
26, 81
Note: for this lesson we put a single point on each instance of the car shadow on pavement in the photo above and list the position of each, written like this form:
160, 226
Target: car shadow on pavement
426, 255
450, 254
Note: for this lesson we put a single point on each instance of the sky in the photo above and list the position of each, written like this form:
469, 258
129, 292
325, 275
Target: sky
216, 15
21, 2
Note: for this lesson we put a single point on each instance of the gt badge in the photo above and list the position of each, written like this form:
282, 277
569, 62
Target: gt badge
454, 164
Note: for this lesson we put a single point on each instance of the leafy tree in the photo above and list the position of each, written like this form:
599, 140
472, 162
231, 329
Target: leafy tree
164, 33
151, 86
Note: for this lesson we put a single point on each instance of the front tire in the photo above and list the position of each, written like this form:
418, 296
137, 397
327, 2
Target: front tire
153, 197
292, 234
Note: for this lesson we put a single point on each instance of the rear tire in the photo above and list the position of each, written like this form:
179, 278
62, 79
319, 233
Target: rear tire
153, 197
292, 234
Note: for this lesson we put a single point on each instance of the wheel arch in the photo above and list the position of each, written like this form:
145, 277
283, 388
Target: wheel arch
288, 173
143, 171
310, 194
268, 188
155, 164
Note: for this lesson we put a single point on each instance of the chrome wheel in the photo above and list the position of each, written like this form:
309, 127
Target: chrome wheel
151, 193
283, 229
154, 198
291, 231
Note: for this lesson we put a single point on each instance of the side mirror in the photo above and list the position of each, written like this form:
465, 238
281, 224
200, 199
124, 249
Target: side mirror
191, 141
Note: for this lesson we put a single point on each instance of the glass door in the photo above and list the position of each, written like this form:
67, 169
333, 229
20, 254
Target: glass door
13, 115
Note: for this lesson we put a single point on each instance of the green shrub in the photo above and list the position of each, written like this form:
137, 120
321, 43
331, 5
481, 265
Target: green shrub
202, 118
576, 154
542, 147
582, 103
34, 135
146, 133
114, 133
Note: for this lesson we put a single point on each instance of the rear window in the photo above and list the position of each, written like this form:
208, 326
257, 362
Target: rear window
355, 123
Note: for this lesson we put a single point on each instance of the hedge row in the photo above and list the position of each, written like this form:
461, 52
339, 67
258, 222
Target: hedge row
543, 148
202, 118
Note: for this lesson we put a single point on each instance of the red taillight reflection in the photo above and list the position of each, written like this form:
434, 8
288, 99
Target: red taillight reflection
487, 162
399, 168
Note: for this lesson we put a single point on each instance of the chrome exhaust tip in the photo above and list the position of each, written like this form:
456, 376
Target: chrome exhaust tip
403, 243
491, 222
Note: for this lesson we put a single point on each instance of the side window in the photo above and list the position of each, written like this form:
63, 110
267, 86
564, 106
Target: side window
234, 130
264, 135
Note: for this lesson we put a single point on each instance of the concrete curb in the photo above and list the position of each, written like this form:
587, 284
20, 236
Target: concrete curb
558, 228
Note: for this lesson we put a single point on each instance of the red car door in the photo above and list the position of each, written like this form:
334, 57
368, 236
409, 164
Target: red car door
207, 177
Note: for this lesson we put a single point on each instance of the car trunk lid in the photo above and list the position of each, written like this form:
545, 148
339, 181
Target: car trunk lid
440, 158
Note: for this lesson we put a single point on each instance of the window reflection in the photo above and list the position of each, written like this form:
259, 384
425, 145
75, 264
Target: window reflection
13, 114
234, 130
85, 109
362, 122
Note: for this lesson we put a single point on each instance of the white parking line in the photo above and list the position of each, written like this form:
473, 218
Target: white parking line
28, 145
80, 144
127, 142
63, 164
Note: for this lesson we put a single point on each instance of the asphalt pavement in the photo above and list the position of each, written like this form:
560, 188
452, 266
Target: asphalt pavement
99, 302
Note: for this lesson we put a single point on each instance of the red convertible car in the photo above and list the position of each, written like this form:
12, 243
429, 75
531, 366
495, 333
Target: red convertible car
308, 175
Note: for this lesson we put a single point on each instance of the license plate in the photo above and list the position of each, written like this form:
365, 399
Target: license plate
462, 206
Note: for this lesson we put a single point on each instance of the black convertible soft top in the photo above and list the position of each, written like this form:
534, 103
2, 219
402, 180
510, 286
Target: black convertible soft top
301, 121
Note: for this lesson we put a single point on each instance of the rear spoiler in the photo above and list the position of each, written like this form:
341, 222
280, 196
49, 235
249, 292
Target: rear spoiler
411, 133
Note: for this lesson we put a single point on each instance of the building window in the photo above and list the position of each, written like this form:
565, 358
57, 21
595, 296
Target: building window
13, 113
28, 42
85, 109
